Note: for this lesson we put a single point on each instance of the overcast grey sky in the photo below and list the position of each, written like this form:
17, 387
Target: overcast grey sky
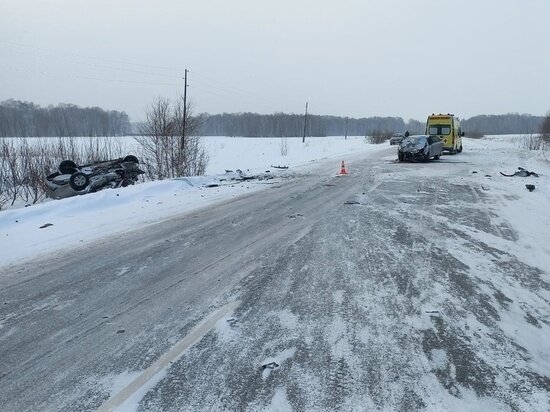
354, 58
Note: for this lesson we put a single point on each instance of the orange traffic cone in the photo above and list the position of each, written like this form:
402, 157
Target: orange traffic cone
343, 169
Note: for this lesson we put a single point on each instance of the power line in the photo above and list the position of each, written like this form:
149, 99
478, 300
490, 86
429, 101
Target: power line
207, 84
79, 76
235, 98
53, 51
75, 58
232, 89
94, 64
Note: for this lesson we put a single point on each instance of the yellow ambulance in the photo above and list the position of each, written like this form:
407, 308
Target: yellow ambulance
447, 128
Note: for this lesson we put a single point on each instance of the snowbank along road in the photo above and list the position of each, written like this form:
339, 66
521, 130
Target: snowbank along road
397, 287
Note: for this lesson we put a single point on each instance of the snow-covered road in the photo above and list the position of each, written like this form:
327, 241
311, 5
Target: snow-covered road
397, 287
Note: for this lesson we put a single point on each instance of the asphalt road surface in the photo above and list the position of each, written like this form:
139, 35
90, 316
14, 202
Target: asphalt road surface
361, 292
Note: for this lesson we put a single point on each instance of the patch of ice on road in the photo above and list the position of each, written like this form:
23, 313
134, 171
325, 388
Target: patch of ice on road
528, 336
10, 332
336, 336
225, 328
287, 319
279, 359
338, 296
115, 383
132, 403
64, 305
465, 401
280, 402
438, 358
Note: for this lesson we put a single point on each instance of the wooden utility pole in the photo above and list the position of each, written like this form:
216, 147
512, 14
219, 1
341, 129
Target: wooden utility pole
184, 110
305, 125
346, 138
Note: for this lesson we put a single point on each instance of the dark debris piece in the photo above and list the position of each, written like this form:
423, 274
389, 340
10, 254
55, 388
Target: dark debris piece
270, 365
352, 202
521, 173
45, 225
530, 187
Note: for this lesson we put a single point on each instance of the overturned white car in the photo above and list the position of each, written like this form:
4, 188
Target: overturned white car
71, 180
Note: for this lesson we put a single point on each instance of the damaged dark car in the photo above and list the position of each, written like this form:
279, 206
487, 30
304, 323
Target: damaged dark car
71, 179
419, 148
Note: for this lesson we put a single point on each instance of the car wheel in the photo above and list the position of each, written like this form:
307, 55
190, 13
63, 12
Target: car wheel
79, 181
67, 167
436, 157
460, 150
131, 158
400, 156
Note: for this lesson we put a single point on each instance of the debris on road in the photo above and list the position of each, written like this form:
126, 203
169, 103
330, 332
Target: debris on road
521, 173
46, 225
270, 365
279, 167
530, 187
239, 175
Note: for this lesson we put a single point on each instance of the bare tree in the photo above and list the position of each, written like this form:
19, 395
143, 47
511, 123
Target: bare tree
166, 150
5, 183
545, 128
284, 146
379, 136
545, 135
530, 142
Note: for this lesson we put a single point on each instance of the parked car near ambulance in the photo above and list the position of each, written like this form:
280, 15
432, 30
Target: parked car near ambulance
397, 138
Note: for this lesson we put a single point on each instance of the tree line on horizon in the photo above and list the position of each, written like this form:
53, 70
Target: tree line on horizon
25, 119
292, 125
